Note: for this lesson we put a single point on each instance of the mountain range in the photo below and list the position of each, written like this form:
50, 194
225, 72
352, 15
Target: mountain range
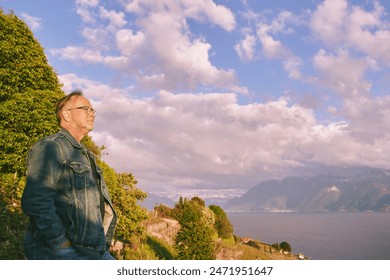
340, 190
153, 200
358, 189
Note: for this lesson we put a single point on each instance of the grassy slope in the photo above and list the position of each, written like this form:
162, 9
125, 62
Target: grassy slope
232, 248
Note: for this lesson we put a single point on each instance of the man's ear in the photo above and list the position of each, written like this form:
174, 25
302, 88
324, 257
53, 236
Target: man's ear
65, 115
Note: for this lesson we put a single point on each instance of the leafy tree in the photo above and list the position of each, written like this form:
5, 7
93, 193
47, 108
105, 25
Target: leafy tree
163, 211
13, 222
285, 246
198, 200
222, 223
187, 211
90, 145
25, 118
29, 89
125, 196
23, 64
194, 241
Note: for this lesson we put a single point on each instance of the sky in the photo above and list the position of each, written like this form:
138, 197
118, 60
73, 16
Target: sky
210, 98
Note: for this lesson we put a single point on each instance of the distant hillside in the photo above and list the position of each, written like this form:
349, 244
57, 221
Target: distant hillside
153, 200
363, 189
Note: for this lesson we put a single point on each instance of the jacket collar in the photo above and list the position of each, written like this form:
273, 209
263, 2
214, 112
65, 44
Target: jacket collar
70, 138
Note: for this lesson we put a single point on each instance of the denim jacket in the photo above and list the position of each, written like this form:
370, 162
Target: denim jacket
61, 196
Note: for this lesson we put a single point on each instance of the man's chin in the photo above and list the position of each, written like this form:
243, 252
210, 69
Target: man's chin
90, 128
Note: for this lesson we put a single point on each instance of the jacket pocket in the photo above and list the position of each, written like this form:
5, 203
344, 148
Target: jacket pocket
80, 174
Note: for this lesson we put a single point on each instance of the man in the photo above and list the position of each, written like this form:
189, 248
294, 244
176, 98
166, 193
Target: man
66, 198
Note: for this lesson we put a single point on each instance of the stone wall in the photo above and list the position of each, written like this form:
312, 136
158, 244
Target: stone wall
164, 229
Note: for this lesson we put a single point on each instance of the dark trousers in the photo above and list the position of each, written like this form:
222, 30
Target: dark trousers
35, 249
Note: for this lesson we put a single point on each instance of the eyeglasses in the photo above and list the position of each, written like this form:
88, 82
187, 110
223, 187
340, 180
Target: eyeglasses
87, 109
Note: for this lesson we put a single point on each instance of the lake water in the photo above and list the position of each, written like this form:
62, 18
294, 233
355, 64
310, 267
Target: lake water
321, 236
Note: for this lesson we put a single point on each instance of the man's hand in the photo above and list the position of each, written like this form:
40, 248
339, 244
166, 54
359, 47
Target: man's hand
66, 244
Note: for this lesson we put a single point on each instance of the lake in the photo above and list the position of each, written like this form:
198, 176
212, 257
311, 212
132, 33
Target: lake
321, 236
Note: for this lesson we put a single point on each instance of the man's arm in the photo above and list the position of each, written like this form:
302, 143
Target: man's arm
44, 168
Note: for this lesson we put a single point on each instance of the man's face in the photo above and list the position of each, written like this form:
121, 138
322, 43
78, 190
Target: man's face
82, 114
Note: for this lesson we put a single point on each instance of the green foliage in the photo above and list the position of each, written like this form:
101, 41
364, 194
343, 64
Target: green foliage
229, 241
125, 195
25, 118
188, 211
199, 201
161, 248
222, 223
285, 246
23, 64
90, 145
145, 253
253, 244
194, 241
29, 89
163, 211
13, 222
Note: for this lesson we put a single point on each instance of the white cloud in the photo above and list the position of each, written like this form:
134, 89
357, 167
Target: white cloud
182, 62
356, 41
328, 21
76, 53
129, 42
217, 14
369, 34
83, 54
293, 65
198, 140
116, 19
210, 141
274, 49
374, 128
282, 24
271, 48
83, 9
33, 22
172, 54
246, 47
338, 23
158, 51
90, 3
200, 10
343, 73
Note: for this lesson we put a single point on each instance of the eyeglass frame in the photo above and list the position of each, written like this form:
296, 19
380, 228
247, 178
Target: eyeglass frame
86, 109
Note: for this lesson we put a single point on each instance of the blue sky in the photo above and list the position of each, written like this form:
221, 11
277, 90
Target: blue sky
210, 98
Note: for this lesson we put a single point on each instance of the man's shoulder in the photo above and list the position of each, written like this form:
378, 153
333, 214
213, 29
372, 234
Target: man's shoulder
50, 141
60, 139
52, 138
